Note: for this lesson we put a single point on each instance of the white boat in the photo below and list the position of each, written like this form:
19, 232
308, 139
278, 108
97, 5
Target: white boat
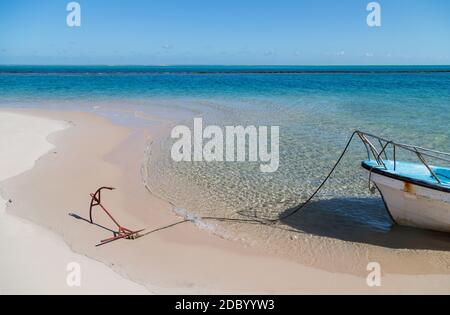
415, 194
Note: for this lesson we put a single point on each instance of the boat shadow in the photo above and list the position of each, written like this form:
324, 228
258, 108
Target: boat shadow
362, 220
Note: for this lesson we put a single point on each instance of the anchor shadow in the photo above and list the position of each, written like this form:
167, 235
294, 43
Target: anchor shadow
362, 220
78, 217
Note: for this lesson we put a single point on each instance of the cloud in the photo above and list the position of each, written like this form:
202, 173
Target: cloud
369, 54
167, 47
336, 53
269, 53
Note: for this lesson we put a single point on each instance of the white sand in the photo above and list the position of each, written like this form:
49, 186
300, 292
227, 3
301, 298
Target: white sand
33, 259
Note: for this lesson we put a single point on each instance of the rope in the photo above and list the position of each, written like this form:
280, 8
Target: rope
280, 218
300, 207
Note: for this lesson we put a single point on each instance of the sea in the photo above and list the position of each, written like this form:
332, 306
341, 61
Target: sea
316, 108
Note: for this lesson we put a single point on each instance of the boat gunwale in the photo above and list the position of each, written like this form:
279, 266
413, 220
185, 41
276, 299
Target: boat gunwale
407, 179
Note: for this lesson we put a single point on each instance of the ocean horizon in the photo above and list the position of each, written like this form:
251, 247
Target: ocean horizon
212, 68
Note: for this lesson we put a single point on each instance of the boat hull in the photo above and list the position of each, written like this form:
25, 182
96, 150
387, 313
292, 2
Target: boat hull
414, 205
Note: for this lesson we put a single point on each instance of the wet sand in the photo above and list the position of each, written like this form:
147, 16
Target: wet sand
183, 259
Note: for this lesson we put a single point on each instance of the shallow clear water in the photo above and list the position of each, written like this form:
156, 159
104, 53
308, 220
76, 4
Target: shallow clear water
317, 109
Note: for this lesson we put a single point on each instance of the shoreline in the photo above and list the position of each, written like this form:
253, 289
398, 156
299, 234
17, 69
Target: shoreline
116, 159
22, 240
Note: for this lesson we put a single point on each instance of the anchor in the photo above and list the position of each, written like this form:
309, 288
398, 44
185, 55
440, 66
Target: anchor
122, 233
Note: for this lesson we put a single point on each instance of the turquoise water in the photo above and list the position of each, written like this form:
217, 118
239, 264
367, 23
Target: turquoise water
317, 108
397, 98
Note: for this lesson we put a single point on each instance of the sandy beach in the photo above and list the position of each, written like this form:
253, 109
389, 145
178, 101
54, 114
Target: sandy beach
55, 159
34, 259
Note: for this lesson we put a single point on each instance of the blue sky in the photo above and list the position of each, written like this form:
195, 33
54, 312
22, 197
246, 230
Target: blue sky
242, 32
